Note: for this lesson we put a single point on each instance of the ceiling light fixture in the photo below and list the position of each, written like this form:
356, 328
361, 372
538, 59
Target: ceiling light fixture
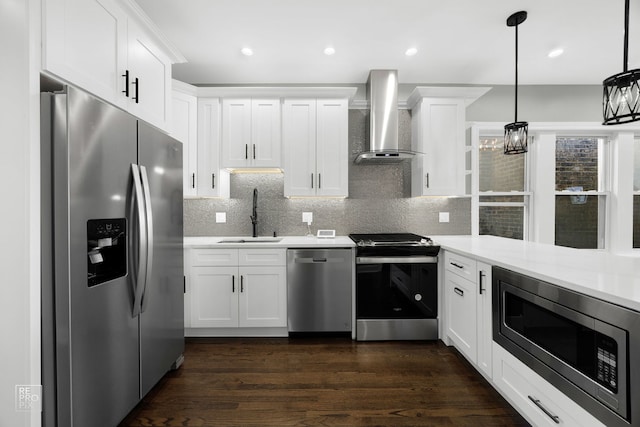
411, 51
555, 52
621, 92
516, 133
329, 51
247, 51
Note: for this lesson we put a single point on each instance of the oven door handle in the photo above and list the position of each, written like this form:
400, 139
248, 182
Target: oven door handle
397, 260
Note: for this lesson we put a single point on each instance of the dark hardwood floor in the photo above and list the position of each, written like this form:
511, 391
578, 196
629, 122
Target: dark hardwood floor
322, 382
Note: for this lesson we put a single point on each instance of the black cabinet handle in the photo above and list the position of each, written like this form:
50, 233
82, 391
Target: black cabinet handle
241, 283
213, 180
126, 83
137, 97
184, 284
312, 180
246, 151
233, 283
458, 291
254, 151
319, 181
481, 276
456, 265
193, 180
427, 180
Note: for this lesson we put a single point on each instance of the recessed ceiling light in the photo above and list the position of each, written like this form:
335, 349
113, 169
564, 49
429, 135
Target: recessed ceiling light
411, 51
247, 51
329, 51
555, 52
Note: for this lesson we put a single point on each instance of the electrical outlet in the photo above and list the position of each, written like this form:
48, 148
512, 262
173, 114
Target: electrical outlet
307, 217
221, 217
444, 216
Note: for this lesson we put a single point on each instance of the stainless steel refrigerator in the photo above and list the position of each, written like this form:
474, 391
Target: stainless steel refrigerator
112, 260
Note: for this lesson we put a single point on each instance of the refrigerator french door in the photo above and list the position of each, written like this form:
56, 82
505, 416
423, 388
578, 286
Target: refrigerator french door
112, 276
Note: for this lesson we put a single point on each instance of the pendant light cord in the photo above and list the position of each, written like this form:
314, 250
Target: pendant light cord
626, 36
516, 97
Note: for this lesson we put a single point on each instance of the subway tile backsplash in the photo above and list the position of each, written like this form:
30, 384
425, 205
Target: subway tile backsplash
379, 200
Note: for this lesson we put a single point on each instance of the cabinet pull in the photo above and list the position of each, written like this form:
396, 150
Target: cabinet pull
555, 418
312, 180
241, 283
137, 97
254, 151
481, 276
427, 180
456, 265
246, 151
213, 180
319, 181
193, 180
126, 83
233, 284
458, 291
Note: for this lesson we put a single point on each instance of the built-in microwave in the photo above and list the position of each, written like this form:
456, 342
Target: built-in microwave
582, 345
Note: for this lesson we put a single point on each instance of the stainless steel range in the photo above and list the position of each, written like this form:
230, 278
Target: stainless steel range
396, 287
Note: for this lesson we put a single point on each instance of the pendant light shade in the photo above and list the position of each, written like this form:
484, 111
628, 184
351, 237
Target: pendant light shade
621, 92
516, 134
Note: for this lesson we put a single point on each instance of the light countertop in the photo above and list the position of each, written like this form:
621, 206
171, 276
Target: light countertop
284, 243
601, 274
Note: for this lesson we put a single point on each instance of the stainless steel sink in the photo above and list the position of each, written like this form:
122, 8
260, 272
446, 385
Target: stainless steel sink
252, 240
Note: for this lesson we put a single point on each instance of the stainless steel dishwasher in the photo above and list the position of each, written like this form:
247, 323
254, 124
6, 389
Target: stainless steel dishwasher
319, 289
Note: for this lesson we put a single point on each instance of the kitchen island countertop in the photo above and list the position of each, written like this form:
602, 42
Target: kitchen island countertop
598, 273
285, 242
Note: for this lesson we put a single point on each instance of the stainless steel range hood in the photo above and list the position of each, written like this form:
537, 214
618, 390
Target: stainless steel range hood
382, 94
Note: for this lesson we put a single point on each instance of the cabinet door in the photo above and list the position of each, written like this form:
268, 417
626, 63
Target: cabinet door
299, 145
263, 297
236, 132
214, 297
209, 180
184, 128
332, 158
84, 42
439, 134
266, 138
484, 326
461, 314
150, 79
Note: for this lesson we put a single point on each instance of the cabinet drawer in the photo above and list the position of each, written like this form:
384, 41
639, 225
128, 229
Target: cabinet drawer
461, 265
537, 400
214, 257
262, 257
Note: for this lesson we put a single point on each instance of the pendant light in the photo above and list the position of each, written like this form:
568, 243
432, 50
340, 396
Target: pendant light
621, 92
516, 133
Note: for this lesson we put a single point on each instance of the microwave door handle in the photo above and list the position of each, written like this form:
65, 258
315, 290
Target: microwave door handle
141, 276
149, 216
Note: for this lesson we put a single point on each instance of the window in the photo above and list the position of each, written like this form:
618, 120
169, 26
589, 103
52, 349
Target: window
636, 193
580, 192
502, 207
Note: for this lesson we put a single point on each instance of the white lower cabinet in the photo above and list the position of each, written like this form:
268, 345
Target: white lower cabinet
536, 400
467, 285
237, 288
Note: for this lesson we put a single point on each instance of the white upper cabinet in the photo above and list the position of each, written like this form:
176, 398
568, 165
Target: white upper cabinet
184, 128
315, 144
211, 181
251, 133
438, 131
110, 49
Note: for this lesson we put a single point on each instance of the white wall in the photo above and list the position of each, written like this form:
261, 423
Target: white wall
19, 216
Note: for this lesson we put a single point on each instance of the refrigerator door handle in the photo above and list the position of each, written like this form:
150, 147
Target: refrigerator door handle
141, 276
149, 216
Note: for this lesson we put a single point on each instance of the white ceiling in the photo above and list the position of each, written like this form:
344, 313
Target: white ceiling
458, 41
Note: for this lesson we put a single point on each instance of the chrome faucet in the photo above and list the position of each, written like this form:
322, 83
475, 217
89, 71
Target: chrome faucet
254, 217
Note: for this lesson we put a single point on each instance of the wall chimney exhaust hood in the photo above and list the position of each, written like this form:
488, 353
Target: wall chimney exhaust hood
382, 94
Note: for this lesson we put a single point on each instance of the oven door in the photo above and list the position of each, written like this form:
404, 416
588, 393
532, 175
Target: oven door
546, 327
396, 287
